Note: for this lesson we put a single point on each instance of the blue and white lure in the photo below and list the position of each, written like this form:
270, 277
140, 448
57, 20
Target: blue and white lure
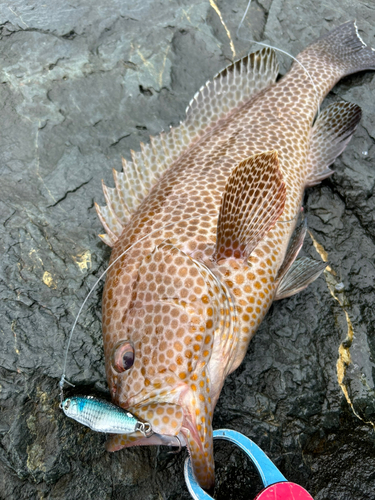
102, 416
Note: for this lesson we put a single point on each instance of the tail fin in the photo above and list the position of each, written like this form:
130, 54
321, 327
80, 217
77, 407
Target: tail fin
345, 48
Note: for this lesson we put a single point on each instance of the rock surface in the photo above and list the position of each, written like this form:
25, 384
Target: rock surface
81, 85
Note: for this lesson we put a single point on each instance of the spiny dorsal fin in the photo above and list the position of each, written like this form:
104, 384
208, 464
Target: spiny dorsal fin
302, 272
253, 200
114, 202
229, 89
110, 223
330, 134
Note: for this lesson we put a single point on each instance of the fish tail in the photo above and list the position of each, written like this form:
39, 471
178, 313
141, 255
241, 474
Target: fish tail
344, 48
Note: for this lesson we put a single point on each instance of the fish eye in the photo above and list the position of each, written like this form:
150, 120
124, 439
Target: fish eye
123, 356
66, 404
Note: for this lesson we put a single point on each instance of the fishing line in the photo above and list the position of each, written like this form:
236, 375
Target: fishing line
279, 50
63, 379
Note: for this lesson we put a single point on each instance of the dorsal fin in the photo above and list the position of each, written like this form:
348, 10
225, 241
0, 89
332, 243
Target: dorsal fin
229, 89
253, 200
110, 223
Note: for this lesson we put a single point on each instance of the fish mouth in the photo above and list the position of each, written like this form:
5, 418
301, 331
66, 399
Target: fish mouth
173, 425
165, 420
184, 422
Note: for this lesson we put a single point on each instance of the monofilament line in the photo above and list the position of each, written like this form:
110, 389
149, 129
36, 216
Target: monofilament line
63, 379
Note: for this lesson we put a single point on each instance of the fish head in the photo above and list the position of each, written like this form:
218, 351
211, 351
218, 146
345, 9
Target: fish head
159, 366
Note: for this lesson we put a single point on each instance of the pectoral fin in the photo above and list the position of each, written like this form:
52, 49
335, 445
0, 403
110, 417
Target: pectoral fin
330, 135
253, 200
301, 273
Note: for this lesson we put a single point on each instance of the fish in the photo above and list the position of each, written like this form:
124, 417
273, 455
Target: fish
101, 416
205, 227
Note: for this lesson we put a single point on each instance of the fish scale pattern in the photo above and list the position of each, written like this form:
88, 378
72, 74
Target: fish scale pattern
188, 315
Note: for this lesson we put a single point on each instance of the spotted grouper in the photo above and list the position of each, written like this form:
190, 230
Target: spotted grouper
205, 232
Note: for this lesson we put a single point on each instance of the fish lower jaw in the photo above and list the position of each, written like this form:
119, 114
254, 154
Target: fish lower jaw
198, 439
118, 442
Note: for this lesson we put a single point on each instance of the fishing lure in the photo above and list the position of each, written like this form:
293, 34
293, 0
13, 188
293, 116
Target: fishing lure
102, 416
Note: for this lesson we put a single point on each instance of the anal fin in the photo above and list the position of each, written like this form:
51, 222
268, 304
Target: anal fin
330, 135
301, 273
294, 247
253, 200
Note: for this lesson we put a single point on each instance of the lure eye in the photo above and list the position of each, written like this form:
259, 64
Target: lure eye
123, 356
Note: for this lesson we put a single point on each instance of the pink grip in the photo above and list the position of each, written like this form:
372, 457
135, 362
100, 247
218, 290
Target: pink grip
284, 491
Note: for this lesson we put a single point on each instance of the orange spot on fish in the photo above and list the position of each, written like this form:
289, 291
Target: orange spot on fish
239, 279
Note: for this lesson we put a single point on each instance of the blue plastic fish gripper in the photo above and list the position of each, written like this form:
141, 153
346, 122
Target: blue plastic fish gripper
276, 486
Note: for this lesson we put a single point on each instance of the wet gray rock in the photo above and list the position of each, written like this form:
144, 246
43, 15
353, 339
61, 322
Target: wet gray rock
80, 86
